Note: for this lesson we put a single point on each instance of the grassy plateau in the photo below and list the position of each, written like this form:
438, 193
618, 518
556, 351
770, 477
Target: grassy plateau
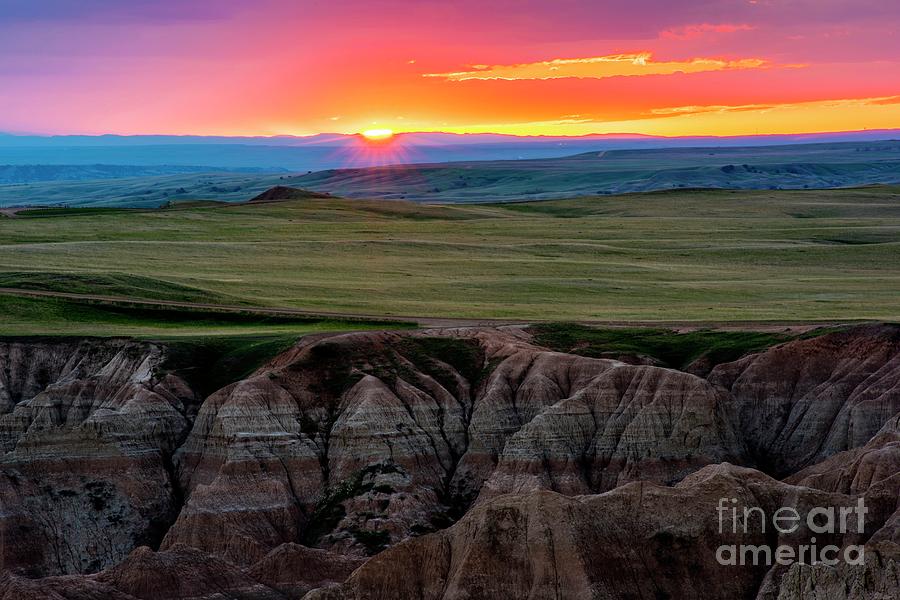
686, 255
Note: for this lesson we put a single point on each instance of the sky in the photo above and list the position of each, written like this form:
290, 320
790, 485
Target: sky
562, 67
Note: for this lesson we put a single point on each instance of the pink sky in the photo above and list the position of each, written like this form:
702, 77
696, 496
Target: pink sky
718, 67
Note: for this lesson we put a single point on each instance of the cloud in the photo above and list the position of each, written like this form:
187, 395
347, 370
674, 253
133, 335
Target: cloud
600, 67
885, 100
842, 114
690, 32
694, 109
672, 111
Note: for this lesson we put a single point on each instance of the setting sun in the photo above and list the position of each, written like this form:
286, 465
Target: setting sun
378, 135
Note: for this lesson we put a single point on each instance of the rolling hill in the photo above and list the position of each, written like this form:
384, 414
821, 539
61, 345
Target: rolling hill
803, 166
808, 166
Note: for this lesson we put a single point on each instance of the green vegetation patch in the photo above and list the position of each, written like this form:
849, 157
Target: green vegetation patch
674, 349
464, 355
29, 316
111, 284
37, 213
330, 509
210, 363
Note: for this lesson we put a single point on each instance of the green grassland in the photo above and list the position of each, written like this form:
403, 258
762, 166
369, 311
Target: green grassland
702, 256
110, 284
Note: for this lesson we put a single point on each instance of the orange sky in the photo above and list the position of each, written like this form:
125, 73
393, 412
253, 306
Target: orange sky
698, 67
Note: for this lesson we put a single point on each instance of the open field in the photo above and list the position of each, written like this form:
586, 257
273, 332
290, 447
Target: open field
708, 256
812, 166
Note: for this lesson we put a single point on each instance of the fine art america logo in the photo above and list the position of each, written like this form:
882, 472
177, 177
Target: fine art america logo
787, 520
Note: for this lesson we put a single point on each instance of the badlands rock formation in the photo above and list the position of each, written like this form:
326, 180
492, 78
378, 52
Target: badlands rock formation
441, 464
87, 438
641, 540
799, 403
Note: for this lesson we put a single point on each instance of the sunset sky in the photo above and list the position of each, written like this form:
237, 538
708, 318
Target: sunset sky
566, 67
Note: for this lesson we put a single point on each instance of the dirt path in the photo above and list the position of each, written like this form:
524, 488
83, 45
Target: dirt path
430, 322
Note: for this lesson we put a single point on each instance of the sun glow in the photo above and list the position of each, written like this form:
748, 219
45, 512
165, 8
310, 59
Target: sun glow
378, 135
376, 147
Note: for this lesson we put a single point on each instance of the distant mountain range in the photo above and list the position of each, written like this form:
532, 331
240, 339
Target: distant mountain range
436, 138
11, 174
799, 166
331, 151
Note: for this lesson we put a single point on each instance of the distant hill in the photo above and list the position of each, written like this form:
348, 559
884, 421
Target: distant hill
281, 193
801, 166
805, 166
140, 192
33, 173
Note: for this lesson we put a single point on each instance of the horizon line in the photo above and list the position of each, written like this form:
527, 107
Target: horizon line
460, 134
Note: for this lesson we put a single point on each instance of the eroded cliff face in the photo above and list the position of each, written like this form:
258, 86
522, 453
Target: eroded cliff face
535, 470
87, 440
362, 440
802, 402
640, 540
